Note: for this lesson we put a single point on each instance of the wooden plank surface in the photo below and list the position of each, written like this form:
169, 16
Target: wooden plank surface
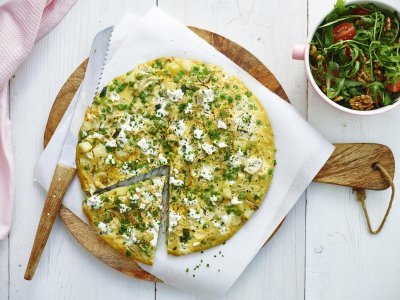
349, 165
277, 272
66, 270
278, 275
4, 258
4, 279
335, 257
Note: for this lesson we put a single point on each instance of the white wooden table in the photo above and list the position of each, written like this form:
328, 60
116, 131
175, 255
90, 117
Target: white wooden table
323, 250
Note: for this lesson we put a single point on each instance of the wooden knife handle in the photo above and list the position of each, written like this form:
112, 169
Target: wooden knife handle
62, 178
351, 165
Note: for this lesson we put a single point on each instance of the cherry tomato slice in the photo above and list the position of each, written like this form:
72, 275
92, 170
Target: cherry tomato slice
348, 52
344, 31
394, 87
360, 11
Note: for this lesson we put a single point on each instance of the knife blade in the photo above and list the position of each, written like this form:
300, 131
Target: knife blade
89, 87
66, 167
163, 170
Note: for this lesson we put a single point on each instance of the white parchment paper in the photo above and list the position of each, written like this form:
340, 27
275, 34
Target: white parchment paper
301, 152
45, 166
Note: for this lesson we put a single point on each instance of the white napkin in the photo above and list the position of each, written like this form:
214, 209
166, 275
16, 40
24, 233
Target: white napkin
301, 154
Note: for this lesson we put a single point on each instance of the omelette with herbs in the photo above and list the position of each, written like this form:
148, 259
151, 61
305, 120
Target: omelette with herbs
128, 217
198, 120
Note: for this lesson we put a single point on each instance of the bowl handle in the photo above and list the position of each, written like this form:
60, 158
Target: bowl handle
298, 51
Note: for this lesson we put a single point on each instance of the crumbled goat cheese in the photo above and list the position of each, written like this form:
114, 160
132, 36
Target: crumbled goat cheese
208, 95
213, 199
134, 198
94, 202
179, 128
244, 122
143, 144
154, 231
221, 125
146, 147
130, 237
176, 95
95, 135
127, 169
114, 96
222, 145
160, 107
208, 148
195, 215
237, 159
175, 182
189, 109
122, 139
235, 200
198, 133
173, 220
110, 160
158, 182
221, 228
189, 202
147, 197
225, 219
205, 173
253, 165
105, 229
162, 159
186, 150
137, 123
111, 144
123, 208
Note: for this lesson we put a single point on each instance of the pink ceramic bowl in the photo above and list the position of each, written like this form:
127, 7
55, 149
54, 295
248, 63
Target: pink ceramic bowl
301, 52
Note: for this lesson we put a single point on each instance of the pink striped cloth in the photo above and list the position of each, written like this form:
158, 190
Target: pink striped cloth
22, 22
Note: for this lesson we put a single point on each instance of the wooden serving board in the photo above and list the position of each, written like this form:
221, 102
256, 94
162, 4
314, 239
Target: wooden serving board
349, 165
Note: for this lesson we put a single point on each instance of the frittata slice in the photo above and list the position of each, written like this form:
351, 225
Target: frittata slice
122, 133
128, 218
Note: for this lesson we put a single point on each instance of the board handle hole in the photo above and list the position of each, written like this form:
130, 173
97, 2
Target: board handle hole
374, 166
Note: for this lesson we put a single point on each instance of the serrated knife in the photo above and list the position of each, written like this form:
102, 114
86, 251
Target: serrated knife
66, 167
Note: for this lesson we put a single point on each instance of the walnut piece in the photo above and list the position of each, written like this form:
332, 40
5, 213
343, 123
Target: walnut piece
338, 98
363, 102
313, 50
388, 24
363, 77
378, 72
359, 22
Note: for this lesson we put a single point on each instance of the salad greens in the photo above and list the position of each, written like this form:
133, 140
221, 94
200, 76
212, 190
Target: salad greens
355, 56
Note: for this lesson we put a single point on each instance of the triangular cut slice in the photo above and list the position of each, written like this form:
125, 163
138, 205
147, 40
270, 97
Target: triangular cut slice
128, 218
